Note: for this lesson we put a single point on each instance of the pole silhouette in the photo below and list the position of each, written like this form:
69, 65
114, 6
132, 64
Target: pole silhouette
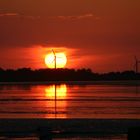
136, 64
55, 101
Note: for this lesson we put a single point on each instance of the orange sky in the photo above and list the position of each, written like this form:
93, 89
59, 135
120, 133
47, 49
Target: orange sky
100, 34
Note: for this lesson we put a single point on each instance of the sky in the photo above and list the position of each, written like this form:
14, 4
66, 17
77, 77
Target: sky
103, 35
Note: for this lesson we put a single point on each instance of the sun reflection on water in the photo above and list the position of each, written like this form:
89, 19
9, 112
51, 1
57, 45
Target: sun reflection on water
60, 91
57, 94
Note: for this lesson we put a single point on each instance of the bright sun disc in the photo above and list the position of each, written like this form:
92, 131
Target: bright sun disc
61, 60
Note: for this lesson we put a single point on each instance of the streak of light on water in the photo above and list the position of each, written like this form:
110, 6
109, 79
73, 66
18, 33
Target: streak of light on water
113, 137
116, 137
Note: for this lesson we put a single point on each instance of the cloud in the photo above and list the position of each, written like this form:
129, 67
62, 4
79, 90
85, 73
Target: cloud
18, 15
8, 14
78, 17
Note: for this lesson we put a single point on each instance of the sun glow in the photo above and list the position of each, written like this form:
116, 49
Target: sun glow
61, 60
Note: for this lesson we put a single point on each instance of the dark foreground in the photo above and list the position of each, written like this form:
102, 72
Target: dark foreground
59, 128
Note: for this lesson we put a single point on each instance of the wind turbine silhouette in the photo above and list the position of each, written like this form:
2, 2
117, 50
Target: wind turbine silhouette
136, 64
54, 59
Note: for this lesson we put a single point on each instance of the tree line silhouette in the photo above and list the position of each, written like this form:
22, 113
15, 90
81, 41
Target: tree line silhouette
29, 75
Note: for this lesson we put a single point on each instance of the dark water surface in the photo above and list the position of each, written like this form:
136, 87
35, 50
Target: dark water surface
70, 101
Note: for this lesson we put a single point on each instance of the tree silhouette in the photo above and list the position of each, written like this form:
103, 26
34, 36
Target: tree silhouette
29, 75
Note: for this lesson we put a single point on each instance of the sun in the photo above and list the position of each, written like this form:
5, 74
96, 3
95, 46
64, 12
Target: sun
61, 60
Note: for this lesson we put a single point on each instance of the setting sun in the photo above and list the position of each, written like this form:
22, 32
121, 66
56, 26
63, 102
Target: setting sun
58, 59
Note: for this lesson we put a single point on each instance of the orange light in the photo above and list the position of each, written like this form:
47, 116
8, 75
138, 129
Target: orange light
60, 91
56, 92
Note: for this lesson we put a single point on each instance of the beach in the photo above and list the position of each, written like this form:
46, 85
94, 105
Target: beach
67, 127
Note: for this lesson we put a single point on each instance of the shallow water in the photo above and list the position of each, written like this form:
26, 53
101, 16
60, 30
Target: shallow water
70, 101
117, 137
102, 101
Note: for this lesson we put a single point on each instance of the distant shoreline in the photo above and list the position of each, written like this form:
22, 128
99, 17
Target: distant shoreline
113, 82
67, 75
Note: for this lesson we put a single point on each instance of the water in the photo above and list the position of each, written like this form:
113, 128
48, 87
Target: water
118, 137
93, 101
70, 101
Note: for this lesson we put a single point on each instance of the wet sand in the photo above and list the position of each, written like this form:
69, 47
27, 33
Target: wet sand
67, 126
